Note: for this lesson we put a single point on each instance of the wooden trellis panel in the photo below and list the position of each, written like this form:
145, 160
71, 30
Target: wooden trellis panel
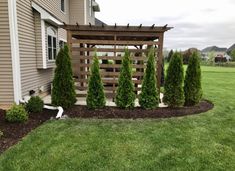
85, 40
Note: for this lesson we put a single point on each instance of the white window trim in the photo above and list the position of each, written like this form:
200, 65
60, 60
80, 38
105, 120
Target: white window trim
64, 12
45, 15
64, 40
44, 54
90, 8
53, 36
15, 54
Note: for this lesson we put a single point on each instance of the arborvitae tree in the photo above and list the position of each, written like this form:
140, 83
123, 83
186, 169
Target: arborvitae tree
174, 93
63, 91
149, 96
192, 83
125, 97
163, 73
170, 55
95, 95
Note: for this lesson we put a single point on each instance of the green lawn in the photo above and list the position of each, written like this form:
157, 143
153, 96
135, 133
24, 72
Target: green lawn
199, 142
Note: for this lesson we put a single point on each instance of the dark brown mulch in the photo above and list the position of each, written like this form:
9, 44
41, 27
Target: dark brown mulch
13, 132
114, 112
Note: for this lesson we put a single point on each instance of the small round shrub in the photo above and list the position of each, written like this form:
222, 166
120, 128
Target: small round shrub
17, 113
35, 105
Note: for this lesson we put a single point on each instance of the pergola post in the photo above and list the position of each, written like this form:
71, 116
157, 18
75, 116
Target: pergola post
69, 43
159, 61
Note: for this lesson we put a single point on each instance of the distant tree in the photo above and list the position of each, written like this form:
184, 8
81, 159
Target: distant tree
233, 55
192, 83
211, 57
63, 91
95, 95
186, 56
149, 96
174, 93
125, 97
170, 55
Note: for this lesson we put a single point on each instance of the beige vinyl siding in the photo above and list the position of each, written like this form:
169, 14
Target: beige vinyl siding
62, 34
6, 78
90, 18
38, 38
53, 7
77, 12
31, 77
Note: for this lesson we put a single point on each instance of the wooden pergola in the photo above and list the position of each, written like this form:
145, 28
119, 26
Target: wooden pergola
110, 42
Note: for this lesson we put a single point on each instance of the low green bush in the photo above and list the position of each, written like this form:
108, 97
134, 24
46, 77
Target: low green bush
17, 113
35, 105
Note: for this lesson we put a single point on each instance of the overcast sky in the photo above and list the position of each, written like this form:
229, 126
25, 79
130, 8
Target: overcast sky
197, 23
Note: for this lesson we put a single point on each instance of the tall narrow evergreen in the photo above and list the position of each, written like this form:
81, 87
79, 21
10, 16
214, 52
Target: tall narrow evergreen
149, 96
125, 97
63, 91
170, 55
192, 83
95, 95
174, 93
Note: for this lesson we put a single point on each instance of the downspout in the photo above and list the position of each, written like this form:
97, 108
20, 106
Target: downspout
59, 108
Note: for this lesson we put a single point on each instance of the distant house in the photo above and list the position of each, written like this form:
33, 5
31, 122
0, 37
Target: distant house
220, 58
216, 51
30, 40
229, 58
230, 49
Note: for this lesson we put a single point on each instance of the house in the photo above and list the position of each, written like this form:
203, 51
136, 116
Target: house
213, 49
230, 49
30, 38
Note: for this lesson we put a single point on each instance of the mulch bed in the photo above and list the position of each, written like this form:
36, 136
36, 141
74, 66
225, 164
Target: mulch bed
114, 112
13, 132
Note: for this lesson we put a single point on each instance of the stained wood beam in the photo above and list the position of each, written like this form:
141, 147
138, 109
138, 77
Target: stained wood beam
112, 42
116, 28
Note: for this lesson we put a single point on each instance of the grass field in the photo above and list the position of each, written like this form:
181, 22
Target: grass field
199, 142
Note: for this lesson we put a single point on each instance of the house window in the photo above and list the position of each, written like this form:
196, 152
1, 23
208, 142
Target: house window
90, 7
62, 5
51, 43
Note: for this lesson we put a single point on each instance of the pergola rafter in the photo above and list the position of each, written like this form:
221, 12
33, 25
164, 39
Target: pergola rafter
83, 40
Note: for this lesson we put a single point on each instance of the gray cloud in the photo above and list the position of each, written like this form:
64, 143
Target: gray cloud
211, 23
187, 35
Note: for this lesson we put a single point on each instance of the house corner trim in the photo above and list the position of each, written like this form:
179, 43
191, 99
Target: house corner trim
43, 34
85, 12
15, 54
